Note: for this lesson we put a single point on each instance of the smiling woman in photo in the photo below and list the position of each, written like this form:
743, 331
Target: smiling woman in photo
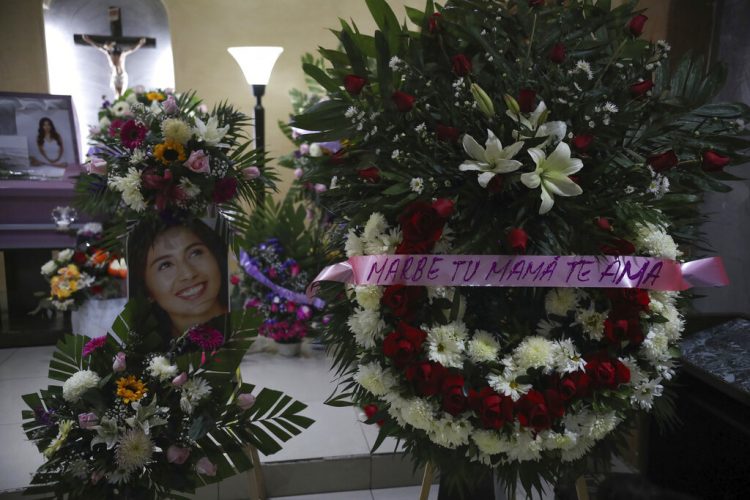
181, 270
50, 144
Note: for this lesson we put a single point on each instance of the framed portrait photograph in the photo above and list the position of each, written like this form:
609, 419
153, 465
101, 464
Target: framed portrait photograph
38, 136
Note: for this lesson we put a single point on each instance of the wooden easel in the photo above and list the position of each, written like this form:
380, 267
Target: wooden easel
255, 476
582, 490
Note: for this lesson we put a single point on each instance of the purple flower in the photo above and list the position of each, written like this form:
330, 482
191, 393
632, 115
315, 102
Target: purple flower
87, 420
170, 105
205, 467
177, 455
132, 134
94, 344
43, 416
205, 337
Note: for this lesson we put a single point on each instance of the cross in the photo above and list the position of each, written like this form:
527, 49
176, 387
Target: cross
117, 48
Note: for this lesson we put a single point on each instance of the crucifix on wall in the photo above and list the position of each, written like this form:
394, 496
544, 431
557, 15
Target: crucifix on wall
117, 48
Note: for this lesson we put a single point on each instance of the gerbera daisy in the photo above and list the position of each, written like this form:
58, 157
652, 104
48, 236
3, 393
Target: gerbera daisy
205, 337
94, 344
132, 134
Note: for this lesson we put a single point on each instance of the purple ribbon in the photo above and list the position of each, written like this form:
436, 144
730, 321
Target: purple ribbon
578, 271
255, 273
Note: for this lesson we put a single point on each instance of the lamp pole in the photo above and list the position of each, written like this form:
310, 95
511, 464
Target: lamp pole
259, 118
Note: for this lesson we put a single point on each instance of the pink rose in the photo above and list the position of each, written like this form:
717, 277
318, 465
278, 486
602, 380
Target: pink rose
198, 162
87, 420
180, 380
170, 105
118, 365
251, 173
320, 188
96, 166
245, 401
205, 467
177, 455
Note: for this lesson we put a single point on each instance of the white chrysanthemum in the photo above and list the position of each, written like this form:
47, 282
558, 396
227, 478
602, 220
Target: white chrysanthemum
374, 379
134, 451
601, 425
193, 391
375, 226
527, 447
488, 442
534, 352
177, 130
130, 187
567, 357
656, 345
160, 368
419, 414
65, 255
591, 321
483, 348
544, 327
367, 326
560, 300
78, 383
190, 189
645, 392
446, 343
353, 245
137, 157
49, 268
556, 441
507, 385
578, 451
384, 243
653, 240
636, 374
451, 432
675, 323
369, 296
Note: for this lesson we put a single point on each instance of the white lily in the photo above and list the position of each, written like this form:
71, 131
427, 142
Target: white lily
554, 131
552, 173
210, 132
491, 160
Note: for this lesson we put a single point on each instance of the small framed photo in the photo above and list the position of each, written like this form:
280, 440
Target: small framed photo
38, 137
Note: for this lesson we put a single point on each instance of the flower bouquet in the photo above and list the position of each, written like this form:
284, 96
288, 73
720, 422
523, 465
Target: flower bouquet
135, 418
278, 257
502, 162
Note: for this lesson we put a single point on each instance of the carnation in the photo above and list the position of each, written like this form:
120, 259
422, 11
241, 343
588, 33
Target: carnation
483, 348
367, 326
134, 451
369, 296
177, 130
78, 384
374, 379
534, 352
160, 368
446, 344
560, 300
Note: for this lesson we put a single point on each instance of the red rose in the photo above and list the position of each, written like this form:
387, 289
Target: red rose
639, 89
404, 301
422, 225
616, 330
602, 373
354, 84
225, 189
582, 142
446, 133
554, 401
603, 223
404, 102
96, 289
663, 161
714, 162
492, 409
369, 174
427, 376
635, 26
517, 239
536, 3
460, 65
338, 158
583, 383
636, 298
403, 344
80, 258
557, 53
527, 100
618, 247
433, 24
454, 398
370, 411
622, 372
532, 411
575, 384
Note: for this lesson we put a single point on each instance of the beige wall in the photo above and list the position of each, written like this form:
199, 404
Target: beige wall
203, 29
23, 63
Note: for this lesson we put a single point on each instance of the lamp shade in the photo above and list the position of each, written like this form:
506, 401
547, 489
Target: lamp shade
256, 62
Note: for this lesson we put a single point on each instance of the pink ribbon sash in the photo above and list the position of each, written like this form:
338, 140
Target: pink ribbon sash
526, 271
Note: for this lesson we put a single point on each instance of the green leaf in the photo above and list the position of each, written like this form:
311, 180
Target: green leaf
321, 77
387, 22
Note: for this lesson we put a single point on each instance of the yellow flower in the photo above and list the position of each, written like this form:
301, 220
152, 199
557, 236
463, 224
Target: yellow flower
176, 130
62, 435
169, 151
131, 389
66, 282
155, 96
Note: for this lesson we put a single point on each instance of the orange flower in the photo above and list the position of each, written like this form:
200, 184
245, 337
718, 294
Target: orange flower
155, 96
131, 389
169, 151
100, 257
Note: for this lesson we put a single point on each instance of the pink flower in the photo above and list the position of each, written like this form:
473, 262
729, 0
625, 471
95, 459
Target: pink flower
198, 162
96, 166
304, 313
251, 173
304, 149
94, 344
170, 105
87, 420
234, 279
254, 302
320, 188
294, 269
205, 467
298, 173
245, 401
118, 365
177, 455
115, 126
180, 380
205, 337
132, 134
291, 307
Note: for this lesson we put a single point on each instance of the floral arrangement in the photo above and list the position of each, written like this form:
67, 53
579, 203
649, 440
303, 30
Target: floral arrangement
513, 127
277, 269
136, 419
162, 153
87, 272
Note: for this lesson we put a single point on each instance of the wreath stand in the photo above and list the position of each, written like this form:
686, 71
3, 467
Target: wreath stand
582, 490
255, 476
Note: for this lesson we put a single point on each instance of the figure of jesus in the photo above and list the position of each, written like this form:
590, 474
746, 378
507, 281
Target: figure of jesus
116, 57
